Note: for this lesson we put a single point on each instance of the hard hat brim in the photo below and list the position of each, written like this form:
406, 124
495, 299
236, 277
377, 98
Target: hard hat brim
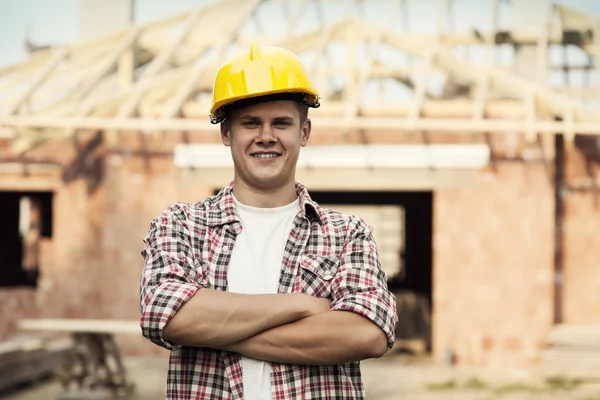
218, 111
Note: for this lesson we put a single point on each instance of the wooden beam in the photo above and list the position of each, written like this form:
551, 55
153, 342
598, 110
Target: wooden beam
396, 124
569, 126
157, 65
502, 81
421, 88
450, 40
531, 117
107, 98
434, 108
481, 95
355, 96
296, 19
542, 55
191, 83
108, 63
58, 56
350, 84
596, 46
43, 177
366, 72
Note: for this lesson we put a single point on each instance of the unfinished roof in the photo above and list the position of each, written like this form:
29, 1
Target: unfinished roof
372, 75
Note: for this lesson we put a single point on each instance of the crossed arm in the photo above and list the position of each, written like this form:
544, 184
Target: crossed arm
288, 328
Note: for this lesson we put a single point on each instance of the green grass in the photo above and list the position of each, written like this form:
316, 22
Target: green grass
560, 382
516, 387
439, 386
551, 384
475, 384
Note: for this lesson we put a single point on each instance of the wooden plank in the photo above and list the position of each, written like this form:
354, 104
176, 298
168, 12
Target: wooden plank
18, 182
542, 56
296, 19
502, 81
191, 83
531, 117
439, 108
421, 87
82, 325
438, 125
366, 73
38, 78
107, 63
157, 65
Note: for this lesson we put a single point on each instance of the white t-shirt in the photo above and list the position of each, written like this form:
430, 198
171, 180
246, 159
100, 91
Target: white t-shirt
255, 268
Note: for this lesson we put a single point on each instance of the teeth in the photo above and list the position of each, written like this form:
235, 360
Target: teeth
269, 155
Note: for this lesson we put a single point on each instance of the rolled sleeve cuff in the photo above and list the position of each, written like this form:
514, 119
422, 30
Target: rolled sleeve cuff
371, 308
162, 306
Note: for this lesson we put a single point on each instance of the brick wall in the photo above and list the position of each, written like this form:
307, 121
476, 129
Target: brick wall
493, 243
581, 248
493, 267
582, 260
134, 195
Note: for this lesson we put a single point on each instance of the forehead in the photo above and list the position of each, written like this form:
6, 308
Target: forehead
270, 109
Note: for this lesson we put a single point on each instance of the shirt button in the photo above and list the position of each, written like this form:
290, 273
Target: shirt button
226, 249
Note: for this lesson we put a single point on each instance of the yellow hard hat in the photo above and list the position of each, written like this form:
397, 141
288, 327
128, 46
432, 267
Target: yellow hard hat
264, 70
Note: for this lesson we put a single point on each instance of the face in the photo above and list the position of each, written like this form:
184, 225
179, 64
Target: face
265, 141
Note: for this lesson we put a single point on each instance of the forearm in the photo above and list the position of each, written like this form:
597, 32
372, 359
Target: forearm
336, 337
214, 318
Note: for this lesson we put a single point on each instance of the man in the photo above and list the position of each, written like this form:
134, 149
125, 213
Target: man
259, 292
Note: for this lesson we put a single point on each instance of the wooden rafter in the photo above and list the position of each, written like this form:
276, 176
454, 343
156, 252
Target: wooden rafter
108, 63
293, 23
502, 81
191, 83
421, 87
424, 124
173, 77
37, 79
372, 55
157, 65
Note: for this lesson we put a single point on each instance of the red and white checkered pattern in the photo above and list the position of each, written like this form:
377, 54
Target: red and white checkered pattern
328, 254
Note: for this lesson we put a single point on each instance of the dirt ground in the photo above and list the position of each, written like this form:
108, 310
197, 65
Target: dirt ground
394, 377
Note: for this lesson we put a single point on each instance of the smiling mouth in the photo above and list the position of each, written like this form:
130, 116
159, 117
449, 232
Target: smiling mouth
265, 156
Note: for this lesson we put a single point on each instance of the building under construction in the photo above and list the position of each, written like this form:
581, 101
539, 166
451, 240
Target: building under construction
474, 155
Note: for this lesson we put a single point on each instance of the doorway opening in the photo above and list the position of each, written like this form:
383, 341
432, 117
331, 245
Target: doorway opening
26, 220
403, 230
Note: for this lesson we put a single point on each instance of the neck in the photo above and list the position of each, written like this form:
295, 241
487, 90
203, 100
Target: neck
262, 197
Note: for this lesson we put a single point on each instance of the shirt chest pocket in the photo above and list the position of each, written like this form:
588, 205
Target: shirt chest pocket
317, 274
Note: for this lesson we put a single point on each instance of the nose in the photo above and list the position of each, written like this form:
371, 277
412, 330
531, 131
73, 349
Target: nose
265, 135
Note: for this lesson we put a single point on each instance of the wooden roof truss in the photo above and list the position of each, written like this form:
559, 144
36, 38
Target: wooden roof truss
157, 77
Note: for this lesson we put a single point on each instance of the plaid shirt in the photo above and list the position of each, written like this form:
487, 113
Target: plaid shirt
328, 254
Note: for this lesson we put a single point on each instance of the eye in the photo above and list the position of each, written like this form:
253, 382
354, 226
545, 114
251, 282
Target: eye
250, 124
282, 124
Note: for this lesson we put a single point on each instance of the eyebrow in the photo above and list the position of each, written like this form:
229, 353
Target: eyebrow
255, 118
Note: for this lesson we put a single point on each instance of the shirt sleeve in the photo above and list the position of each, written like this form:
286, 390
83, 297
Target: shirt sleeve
360, 285
169, 278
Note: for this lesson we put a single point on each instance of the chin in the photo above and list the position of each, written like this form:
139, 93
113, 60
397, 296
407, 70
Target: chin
268, 181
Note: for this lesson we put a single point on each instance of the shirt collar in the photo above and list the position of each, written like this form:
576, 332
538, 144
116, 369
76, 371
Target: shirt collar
223, 212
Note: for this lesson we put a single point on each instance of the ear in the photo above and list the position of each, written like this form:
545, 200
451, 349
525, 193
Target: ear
306, 132
225, 134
